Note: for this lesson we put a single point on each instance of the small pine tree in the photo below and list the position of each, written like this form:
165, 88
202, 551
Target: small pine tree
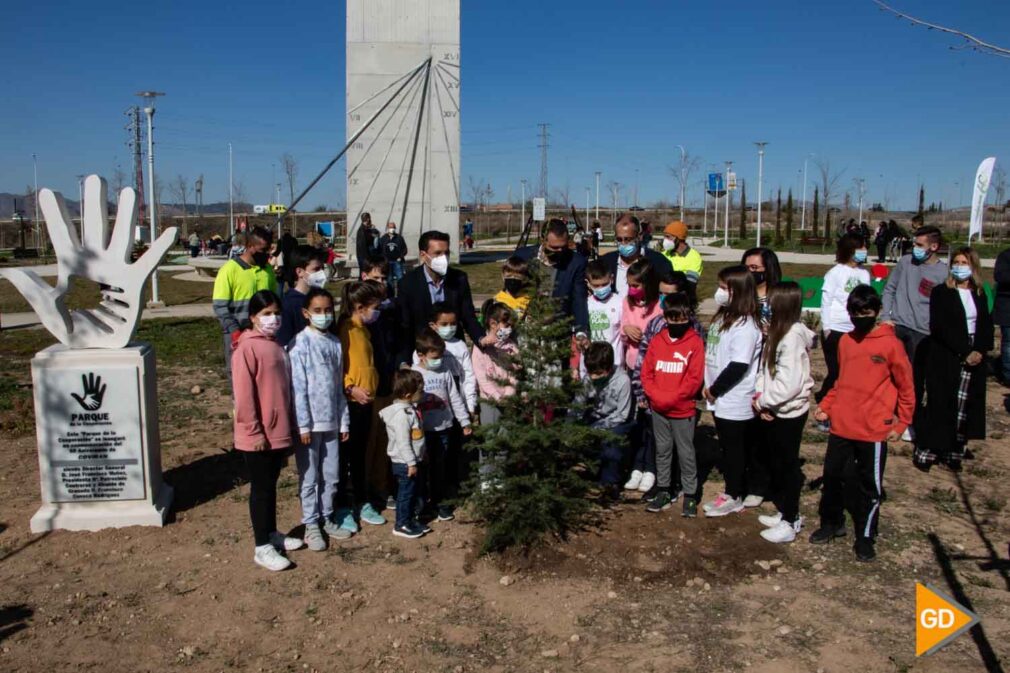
743, 210
789, 216
536, 459
778, 217
817, 207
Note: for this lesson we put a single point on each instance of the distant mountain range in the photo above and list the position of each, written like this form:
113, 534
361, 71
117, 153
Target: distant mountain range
7, 202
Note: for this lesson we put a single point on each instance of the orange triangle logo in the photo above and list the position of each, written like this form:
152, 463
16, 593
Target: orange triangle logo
939, 619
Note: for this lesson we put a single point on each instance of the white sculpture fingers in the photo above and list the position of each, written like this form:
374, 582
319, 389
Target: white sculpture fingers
95, 219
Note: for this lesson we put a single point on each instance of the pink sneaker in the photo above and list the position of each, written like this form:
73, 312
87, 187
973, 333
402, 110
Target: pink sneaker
718, 502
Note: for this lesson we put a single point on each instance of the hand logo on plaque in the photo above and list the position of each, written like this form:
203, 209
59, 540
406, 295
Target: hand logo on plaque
98, 257
94, 392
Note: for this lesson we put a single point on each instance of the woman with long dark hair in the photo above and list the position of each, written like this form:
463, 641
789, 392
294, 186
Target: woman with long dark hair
764, 266
960, 334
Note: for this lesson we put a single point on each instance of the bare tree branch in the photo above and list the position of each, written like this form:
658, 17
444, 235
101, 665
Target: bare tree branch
970, 40
682, 173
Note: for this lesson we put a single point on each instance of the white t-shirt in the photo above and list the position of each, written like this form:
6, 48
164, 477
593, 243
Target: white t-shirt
740, 343
605, 324
970, 312
838, 283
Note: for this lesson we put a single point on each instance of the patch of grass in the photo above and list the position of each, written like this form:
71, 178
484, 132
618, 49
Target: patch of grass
944, 499
980, 581
994, 503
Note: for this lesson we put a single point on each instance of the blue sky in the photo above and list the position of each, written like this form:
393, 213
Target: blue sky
620, 83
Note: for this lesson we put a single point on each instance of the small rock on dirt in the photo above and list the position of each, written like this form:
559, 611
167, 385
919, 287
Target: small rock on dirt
611, 594
575, 638
507, 580
785, 630
549, 654
196, 390
775, 563
764, 565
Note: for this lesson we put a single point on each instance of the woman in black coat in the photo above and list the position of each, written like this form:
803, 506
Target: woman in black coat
960, 335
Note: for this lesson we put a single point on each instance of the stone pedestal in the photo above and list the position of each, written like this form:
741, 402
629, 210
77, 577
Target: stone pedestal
96, 419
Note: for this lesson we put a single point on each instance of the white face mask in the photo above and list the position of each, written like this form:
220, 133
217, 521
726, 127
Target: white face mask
439, 264
669, 244
722, 296
503, 333
269, 324
447, 331
317, 279
321, 321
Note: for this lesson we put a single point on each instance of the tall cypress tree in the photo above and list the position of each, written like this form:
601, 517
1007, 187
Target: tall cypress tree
789, 216
743, 210
817, 207
778, 217
922, 199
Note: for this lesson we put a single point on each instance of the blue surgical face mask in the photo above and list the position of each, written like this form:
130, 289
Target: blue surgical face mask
961, 271
447, 331
627, 249
860, 256
920, 254
602, 293
321, 321
434, 363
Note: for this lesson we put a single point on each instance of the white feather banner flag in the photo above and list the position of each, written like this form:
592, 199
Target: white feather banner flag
978, 198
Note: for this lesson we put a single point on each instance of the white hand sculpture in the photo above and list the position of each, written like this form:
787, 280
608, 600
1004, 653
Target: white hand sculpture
100, 259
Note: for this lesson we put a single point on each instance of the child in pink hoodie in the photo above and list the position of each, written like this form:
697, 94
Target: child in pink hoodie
490, 363
264, 430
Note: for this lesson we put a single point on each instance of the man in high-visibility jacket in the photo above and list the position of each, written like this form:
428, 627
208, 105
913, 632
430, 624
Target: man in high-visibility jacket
237, 281
682, 256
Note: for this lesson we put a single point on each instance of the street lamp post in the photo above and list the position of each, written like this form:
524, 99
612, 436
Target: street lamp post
523, 183
231, 198
35, 198
586, 226
683, 160
597, 196
861, 183
761, 168
725, 240
149, 100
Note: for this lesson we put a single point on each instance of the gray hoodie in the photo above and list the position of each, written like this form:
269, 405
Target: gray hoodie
611, 405
906, 295
405, 431
786, 394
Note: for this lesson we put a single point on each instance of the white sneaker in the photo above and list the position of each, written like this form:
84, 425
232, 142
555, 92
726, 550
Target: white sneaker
271, 559
648, 481
753, 501
783, 531
729, 506
906, 436
633, 483
769, 520
284, 543
720, 499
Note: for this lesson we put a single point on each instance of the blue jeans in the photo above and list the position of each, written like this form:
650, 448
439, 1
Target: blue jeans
612, 456
1004, 350
394, 275
409, 493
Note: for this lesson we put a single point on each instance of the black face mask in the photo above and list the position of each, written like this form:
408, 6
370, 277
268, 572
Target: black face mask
260, 258
554, 256
862, 325
678, 330
759, 277
514, 286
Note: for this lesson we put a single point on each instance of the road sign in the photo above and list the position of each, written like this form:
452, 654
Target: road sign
731, 181
539, 209
715, 182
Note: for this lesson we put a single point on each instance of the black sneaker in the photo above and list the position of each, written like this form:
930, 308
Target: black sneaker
410, 531
864, 549
446, 514
826, 534
690, 508
423, 527
659, 502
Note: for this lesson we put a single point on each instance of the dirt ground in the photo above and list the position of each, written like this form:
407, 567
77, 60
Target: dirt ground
642, 592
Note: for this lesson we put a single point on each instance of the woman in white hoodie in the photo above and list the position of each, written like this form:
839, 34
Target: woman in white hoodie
783, 400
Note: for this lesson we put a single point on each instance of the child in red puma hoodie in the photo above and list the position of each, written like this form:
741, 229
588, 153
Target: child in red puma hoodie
673, 373
871, 404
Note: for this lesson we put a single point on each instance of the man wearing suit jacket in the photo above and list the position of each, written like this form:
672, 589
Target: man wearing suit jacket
567, 269
628, 235
430, 282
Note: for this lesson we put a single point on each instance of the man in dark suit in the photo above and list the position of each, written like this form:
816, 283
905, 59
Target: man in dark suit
430, 282
566, 270
628, 235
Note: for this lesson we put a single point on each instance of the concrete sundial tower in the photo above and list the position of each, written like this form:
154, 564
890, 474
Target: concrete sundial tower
403, 84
